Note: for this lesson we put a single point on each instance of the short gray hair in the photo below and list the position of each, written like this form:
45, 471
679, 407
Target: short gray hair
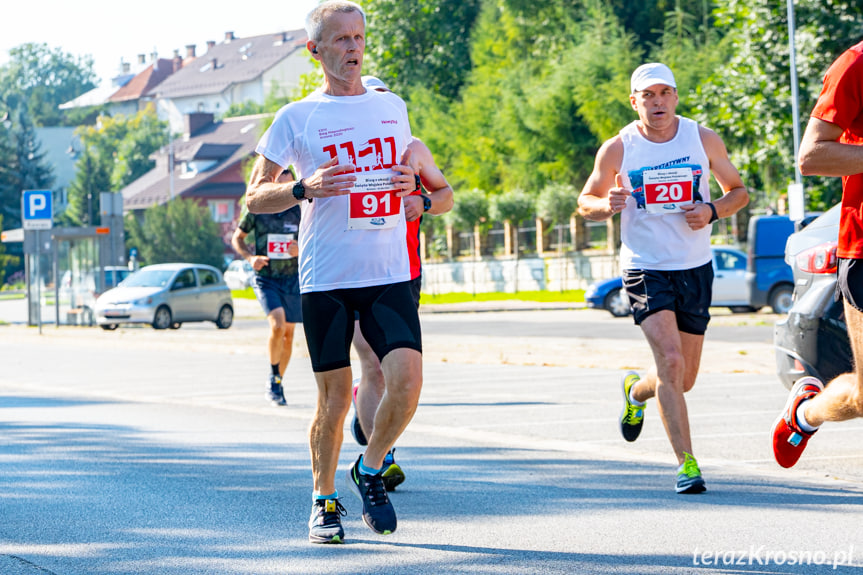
315, 18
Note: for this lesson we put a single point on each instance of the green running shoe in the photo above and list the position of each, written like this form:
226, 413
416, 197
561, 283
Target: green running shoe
689, 476
632, 416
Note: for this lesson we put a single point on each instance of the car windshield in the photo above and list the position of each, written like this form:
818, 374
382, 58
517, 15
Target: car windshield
148, 278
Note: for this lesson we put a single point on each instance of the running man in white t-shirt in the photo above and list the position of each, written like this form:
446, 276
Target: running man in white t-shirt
655, 173
348, 146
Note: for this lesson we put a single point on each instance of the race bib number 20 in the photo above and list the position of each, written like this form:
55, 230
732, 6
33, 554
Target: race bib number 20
373, 202
665, 190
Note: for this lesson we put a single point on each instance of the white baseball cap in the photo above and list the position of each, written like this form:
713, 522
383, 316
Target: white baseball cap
374, 83
647, 75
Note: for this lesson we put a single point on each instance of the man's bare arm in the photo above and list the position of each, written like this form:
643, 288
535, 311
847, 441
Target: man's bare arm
603, 194
822, 155
734, 194
265, 194
433, 180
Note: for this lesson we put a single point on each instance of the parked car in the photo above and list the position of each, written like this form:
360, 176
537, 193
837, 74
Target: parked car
813, 338
166, 295
729, 286
768, 277
239, 274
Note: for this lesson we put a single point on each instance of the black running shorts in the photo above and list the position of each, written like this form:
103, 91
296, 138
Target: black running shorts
388, 319
850, 282
685, 292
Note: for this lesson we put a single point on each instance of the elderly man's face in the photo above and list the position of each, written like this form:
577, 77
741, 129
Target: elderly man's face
341, 47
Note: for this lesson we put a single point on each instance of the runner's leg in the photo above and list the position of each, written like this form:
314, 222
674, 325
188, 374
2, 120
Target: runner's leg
402, 370
842, 399
372, 383
326, 433
667, 345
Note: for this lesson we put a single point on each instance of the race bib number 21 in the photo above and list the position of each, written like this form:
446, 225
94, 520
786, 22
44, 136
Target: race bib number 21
373, 203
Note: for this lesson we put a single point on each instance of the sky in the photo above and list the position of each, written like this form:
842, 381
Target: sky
109, 30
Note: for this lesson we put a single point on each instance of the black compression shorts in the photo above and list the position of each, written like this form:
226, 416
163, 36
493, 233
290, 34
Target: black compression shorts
388, 319
685, 292
850, 282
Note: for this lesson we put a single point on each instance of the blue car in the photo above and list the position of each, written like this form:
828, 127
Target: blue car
729, 286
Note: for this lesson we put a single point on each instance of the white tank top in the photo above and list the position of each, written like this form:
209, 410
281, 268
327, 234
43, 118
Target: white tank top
653, 231
346, 241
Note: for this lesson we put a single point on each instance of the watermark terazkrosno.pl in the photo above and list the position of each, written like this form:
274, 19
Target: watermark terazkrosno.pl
762, 555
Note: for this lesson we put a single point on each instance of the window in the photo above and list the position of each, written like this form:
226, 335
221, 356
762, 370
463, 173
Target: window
222, 211
729, 261
207, 277
185, 279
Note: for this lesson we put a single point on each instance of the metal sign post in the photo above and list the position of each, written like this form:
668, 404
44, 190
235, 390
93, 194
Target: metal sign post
37, 213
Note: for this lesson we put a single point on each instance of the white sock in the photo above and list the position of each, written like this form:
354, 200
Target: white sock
801, 419
634, 401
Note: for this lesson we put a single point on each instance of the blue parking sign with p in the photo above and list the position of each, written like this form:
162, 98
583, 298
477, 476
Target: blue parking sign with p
36, 210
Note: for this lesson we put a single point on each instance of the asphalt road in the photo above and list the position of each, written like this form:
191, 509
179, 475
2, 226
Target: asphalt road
139, 451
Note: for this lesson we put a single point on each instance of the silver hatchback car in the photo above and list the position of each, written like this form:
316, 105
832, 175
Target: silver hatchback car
165, 296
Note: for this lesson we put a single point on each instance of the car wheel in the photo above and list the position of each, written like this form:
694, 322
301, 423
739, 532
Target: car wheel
162, 318
781, 299
617, 303
226, 317
176, 325
109, 326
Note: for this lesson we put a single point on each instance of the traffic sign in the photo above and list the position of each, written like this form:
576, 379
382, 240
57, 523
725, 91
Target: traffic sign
36, 210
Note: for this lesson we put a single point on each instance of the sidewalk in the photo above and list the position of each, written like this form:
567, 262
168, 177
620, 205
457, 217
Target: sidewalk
250, 308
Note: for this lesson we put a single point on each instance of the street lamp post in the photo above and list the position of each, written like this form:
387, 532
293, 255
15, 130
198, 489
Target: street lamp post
796, 203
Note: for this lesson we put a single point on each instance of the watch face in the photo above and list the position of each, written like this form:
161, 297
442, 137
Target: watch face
299, 190
427, 203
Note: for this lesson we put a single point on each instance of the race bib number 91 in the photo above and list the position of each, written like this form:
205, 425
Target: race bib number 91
665, 190
373, 203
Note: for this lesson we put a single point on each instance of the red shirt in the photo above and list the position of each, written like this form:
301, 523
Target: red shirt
413, 233
841, 103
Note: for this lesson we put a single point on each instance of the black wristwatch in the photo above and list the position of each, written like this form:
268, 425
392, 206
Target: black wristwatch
426, 202
299, 190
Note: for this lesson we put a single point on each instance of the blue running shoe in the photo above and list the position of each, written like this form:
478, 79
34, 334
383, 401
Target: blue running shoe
378, 512
325, 523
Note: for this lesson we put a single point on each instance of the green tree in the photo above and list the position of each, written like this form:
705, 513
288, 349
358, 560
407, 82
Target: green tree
556, 203
179, 231
420, 43
92, 177
116, 152
144, 134
513, 206
10, 190
471, 212
44, 78
5, 260
748, 98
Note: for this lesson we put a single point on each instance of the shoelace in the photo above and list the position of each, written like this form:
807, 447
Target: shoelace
633, 413
329, 516
690, 467
374, 489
